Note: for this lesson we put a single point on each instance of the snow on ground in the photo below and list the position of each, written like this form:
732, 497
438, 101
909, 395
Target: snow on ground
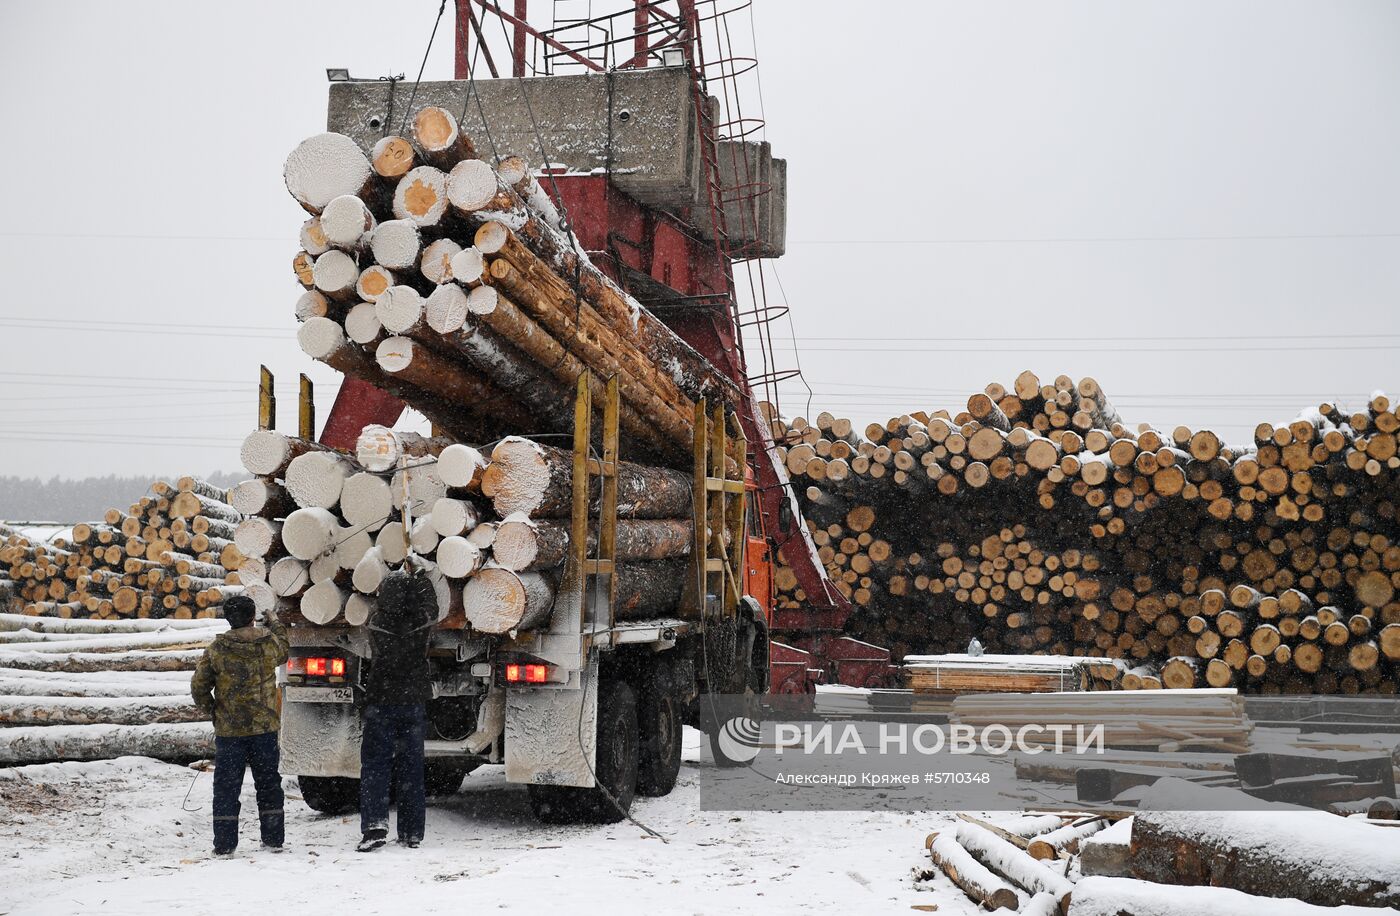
120, 837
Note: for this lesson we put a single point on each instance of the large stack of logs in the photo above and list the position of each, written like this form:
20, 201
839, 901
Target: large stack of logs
324, 528
93, 689
455, 285
171, 554
1036, 521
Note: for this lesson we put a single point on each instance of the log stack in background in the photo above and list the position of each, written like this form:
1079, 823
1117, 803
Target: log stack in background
1036, 521
171, 554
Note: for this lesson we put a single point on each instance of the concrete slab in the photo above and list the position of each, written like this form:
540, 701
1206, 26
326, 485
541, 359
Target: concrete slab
650, 141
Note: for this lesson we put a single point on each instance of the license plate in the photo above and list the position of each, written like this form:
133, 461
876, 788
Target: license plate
319, 695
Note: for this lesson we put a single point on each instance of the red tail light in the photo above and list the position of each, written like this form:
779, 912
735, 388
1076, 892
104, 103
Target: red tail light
296, 665
316, 667
526, 674
337, 667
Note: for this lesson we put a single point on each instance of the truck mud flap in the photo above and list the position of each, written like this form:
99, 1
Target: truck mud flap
551, 733
320, 739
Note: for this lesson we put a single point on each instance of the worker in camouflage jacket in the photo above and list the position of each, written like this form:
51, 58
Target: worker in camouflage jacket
236, 684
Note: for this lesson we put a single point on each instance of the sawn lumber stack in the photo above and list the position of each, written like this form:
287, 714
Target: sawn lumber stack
1036, 521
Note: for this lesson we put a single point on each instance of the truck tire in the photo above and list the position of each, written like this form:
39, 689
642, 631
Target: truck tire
615, 768
330, 794
444, 777
659, 728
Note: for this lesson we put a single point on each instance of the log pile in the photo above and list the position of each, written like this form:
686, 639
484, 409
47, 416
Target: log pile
1037, 521
324, 529
90, 689
169, 555
1203, 851
455, 286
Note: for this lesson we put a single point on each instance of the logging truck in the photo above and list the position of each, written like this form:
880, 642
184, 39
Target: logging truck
493, 299
584, 700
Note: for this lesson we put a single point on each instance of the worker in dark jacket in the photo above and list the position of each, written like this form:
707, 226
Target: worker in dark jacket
397, 690
236, 684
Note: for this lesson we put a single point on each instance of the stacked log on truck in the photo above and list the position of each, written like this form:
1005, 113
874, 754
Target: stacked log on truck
169, 555
454, 284
491, 529
1037, 521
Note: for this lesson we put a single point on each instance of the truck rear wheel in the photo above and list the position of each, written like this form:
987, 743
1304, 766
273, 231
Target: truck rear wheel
615, 768
444, 777
330, 794
659, 727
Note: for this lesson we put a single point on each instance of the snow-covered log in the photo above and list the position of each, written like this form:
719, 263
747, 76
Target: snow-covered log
57, 710
522, 543
454, 516
1128, 897
91, 688
421, 196
971, 876
78, 662
498, 601
1066, 838
310, 533
1225, 838
457, 557
117, 642
267, 453
315, 479
347, 223
48, 625
43, 743
261, 496
323, 602
536, 480
1013, 864
324, 167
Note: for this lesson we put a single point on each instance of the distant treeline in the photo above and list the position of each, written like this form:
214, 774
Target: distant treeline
60, 500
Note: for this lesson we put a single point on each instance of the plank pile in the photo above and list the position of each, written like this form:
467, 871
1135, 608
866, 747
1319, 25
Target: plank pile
324, 529
1166, 720
169, 555
958, 673
455, 285
92, 689
1036, 521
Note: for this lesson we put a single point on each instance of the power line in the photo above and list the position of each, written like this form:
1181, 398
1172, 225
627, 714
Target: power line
143, 238
1339, 236
1100, 350
84, 322
70, 329
1083, 338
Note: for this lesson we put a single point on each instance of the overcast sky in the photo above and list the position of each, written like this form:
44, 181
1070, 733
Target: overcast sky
1195, 202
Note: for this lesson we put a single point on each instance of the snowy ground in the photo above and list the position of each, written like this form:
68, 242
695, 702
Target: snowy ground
120, 836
